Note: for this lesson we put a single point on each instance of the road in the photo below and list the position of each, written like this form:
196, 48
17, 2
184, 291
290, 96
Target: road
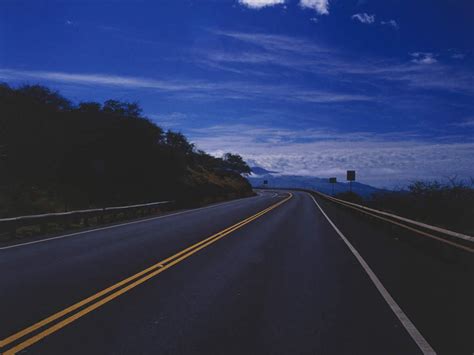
279, 273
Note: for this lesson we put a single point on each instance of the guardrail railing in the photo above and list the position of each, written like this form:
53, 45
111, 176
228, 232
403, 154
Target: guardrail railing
10, 225
458, 240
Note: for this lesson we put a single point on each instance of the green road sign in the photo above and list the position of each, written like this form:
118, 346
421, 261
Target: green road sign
351, 175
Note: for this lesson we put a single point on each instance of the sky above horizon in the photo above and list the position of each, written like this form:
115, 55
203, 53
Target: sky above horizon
305, 87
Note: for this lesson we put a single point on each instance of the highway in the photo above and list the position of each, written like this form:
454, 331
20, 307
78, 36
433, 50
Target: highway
278, 273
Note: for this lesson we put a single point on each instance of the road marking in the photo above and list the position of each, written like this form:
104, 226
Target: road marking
123, 282
120, 225
137, 280
406, 322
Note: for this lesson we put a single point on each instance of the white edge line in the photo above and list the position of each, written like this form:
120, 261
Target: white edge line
119, 225
406, 322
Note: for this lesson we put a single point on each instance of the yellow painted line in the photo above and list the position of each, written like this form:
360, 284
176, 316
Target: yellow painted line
75, 306
113, 287
176, 258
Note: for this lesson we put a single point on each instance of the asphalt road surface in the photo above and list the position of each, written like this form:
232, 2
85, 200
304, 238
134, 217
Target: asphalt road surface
279, 273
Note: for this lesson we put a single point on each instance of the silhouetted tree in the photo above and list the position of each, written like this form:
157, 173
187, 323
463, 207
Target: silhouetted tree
42, 95
90, 107
178, 141
236, 163
54, 154
122, 108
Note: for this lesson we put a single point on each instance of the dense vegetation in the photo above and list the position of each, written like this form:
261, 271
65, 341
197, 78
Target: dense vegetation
56, 156
449, 205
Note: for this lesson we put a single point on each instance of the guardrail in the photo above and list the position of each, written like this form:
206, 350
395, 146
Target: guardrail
10, 225
455, 239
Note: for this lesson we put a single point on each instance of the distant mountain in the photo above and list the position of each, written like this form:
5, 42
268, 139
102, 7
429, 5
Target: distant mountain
257, 170
309, 182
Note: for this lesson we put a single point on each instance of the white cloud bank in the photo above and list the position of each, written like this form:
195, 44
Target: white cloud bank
364, 18
258, 4
320, 6
383, 160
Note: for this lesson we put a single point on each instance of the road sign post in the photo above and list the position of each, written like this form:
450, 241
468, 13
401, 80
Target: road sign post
351, 176
332, 181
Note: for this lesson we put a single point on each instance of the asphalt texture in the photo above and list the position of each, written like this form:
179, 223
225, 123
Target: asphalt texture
284, 283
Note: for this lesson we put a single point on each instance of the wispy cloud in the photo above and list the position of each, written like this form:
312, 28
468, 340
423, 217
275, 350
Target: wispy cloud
467, 123
100, 79
169, 120
258, 4
381, 159
390, 23
299, 54
273, 43
423, 58
364, 18
328, 97
191, 89
458, 56
320, 6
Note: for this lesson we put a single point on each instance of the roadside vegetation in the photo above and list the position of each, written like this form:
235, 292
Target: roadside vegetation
445, 204
57, 156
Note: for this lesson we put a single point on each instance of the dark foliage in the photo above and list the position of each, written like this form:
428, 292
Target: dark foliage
55, 155
350, 197
235, 162
449, 205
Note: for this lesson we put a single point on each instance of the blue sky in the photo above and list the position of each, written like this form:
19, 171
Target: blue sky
309, 87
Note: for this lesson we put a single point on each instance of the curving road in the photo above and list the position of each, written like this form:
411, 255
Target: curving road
279, 273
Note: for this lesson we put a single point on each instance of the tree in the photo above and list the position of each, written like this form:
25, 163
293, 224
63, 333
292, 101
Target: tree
178, 141
89, 107
42, 95
95, 154
122, 108
236, 163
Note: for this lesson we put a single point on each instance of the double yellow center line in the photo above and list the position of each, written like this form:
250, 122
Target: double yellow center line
97, 300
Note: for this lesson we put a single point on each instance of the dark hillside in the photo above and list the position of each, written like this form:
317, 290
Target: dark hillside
57, 156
